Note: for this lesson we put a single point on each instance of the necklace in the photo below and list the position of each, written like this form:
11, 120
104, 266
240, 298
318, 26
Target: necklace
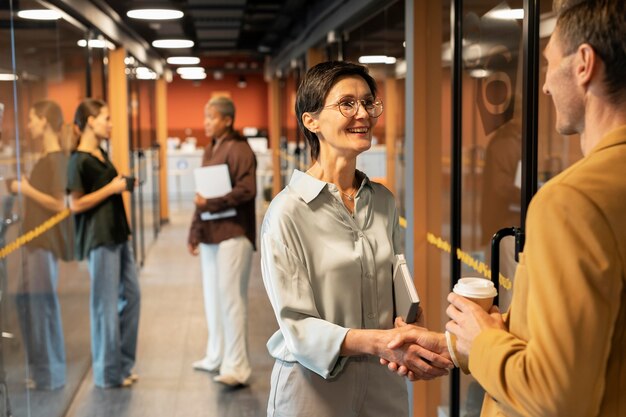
350, 197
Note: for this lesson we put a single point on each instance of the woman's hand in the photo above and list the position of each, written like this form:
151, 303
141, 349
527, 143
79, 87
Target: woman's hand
193, 249
199, 201
117, 185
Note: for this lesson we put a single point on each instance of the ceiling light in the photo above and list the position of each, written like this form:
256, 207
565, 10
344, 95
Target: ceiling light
242, 83
172, 43
507, 14
479, 73
377, 59
183, 60
93, 43
155, 14
7, 77
39, 14
144, 73
190, 70
193, 76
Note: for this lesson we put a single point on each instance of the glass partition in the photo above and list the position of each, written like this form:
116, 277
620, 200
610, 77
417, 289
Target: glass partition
144, 156
491, 84
44, 316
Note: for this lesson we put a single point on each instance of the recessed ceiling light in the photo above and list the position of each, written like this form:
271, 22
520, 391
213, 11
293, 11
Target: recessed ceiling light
39, 14
172, 43
7, 77
93, 43
190, 70
155, 14
144, 73
183, 60
479, 73
507, 14
193, 76
377, 59
96, 43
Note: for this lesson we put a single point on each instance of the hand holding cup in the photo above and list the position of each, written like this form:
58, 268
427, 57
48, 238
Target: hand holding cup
480, 291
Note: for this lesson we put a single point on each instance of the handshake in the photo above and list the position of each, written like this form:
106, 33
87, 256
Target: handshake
415, 352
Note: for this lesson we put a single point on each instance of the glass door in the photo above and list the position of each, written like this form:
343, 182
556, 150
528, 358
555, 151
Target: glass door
488, 75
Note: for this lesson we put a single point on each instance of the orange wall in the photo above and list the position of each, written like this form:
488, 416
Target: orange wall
186, 100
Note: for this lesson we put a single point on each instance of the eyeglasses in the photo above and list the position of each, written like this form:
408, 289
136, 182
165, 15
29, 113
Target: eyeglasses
350, 107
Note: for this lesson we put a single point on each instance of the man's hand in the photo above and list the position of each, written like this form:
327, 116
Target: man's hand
468, 321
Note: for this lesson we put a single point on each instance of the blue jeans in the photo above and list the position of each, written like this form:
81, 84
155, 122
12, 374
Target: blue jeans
114, 310
39, 315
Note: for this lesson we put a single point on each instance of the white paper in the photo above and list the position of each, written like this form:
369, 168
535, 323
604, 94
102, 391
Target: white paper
212, 181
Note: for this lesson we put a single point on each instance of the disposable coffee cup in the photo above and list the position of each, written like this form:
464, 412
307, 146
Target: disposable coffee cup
482, 292
479, 290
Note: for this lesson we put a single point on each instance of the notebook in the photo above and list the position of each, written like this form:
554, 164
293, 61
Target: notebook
406, 301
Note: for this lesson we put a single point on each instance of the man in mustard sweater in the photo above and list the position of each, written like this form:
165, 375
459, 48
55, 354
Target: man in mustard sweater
561, 348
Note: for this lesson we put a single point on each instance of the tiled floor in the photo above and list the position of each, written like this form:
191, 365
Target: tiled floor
173, 334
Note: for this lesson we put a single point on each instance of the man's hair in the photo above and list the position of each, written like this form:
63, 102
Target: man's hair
224, 106
314, 88
601, 24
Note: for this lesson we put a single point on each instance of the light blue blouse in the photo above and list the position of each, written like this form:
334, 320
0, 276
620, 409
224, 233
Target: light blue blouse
326, 271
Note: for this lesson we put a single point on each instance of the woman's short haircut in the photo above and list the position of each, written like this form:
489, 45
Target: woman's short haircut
314, 88
224, 106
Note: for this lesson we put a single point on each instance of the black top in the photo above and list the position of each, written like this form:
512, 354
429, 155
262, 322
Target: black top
105, 223
49, 175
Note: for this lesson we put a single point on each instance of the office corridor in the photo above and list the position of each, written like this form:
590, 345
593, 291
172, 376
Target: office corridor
172, 334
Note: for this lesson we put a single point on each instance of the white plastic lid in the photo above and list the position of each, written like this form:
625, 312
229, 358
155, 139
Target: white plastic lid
475, 288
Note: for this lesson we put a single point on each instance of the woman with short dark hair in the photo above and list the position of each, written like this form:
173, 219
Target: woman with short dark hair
328, 242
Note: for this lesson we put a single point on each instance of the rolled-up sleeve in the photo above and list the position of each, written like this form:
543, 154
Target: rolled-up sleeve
313, 342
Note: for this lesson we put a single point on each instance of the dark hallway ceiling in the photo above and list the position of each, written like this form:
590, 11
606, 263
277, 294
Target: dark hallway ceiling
222, 28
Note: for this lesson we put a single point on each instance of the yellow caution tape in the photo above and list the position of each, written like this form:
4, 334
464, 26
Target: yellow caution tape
32, 234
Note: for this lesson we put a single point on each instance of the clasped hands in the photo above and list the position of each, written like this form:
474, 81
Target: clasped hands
419, 354
415, 352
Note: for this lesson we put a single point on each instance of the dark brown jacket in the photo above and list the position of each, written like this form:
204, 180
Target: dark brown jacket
237, 154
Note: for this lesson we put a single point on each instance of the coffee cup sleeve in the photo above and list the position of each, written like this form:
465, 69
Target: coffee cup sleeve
451, 344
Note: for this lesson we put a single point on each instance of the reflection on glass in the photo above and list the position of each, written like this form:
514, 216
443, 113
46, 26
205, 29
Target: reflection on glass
491, 84
36, 298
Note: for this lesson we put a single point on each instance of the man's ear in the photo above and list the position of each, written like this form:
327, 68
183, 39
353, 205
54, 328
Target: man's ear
310, 122
586, 64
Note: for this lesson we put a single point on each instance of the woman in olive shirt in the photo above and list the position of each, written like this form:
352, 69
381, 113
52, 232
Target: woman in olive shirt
327, 246
102, 237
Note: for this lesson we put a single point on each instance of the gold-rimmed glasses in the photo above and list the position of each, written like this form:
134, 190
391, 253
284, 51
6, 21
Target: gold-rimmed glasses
349, 107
